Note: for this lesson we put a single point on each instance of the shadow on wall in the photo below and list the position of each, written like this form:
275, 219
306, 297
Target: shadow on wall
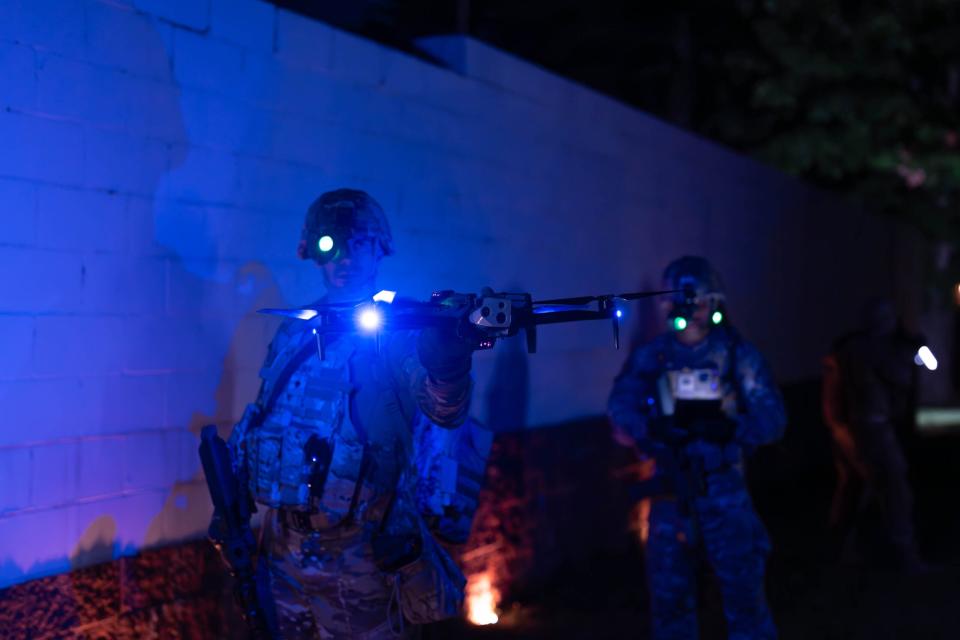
508, 392
507, 396
97, 544
188, 506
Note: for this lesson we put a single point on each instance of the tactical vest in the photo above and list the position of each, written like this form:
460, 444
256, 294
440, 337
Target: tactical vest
713, 378
336, 438
451, 465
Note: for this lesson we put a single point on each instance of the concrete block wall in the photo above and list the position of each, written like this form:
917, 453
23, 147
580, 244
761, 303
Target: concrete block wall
158, 158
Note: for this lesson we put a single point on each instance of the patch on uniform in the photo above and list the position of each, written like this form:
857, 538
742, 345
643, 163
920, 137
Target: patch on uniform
695, 384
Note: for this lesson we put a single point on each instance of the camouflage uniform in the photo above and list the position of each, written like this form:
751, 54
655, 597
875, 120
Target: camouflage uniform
451, 464
323, 577
327, 586
332, 457
720, 524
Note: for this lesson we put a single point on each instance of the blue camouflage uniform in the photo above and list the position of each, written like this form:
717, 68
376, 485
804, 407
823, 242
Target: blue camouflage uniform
354, 412
717, 524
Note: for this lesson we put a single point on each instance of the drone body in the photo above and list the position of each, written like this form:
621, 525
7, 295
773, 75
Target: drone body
479, 319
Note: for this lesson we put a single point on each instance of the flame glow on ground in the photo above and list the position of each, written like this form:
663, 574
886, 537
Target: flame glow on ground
482, 600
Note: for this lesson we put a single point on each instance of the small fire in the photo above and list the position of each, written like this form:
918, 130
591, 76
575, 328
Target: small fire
640, 519
482, 600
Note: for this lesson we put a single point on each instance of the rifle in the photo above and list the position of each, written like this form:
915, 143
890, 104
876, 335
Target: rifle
232, 536
678, 473
478, 319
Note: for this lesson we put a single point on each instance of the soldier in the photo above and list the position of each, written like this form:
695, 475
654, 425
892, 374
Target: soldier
696, 398
869, 388
327, 448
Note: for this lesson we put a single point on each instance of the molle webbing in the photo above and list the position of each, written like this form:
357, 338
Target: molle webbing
334, 437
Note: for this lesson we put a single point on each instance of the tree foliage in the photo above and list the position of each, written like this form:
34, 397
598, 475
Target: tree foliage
861, 97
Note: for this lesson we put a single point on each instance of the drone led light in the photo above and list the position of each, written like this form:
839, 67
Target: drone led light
325, 244
370, 319
717, 317
679, 323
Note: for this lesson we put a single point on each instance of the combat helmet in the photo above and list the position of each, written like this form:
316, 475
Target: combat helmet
335, 217
694, 281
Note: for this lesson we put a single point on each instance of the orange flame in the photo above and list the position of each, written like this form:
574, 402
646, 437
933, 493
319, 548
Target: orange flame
482, 600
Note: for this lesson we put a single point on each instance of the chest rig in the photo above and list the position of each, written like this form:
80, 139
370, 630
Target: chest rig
333, 441
705, 380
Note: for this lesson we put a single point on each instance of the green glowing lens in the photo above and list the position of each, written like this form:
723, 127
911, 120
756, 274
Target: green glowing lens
717, 317
325, 244
679, 323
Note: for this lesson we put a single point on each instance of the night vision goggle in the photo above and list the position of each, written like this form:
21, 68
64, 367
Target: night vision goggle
329, 246
342, 225
333, 244
687, 302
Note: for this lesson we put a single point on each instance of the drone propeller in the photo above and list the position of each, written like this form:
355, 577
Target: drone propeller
645, 294
584, 300
299, 314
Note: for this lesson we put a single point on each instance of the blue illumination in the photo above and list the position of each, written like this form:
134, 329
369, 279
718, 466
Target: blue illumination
370, 319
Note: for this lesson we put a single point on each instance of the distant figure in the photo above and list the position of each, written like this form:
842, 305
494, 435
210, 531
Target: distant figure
695, 398
868, 396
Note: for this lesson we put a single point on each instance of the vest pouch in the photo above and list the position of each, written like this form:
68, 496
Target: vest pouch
372, 498
263, 464
428, 588
281, 465
451, 467
317, 456
297, 447
296, 468
343, 482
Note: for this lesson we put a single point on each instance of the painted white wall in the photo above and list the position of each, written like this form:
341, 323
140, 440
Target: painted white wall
156, 162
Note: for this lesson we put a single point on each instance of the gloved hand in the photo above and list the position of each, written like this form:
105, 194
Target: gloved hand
720, 429
444, 354
621, 436
664, 429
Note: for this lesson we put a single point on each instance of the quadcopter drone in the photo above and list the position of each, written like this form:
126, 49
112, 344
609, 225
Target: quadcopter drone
478, 319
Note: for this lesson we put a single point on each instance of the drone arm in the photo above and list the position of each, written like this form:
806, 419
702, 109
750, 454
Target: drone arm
556, 317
